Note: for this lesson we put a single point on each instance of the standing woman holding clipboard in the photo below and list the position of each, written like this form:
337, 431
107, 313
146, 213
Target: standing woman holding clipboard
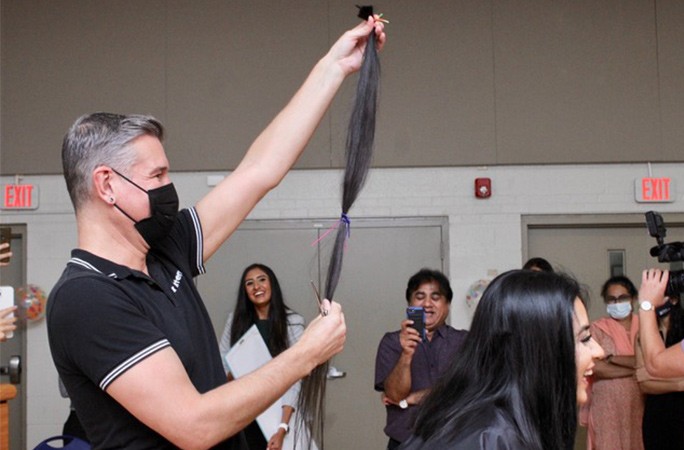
260, 302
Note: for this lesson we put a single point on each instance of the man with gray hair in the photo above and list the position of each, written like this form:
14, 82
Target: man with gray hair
129, 334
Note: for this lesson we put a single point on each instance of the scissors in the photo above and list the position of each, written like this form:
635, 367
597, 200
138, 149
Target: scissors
324, 312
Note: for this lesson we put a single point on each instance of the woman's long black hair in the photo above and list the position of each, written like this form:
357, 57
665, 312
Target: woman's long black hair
519, 356
245, 314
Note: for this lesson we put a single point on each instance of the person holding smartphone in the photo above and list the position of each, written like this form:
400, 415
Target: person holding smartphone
409, 361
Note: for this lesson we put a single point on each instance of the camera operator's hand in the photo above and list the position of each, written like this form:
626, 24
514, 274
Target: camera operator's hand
653, 285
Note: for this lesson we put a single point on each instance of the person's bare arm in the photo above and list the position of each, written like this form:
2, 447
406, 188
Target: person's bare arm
649, 384
606, 370
279, 146
660, 362
159, 393
397, 385
276, 441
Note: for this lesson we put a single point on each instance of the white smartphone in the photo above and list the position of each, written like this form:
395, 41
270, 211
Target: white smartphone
7, 300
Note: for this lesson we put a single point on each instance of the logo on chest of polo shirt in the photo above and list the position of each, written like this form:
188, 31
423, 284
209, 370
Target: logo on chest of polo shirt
176, 281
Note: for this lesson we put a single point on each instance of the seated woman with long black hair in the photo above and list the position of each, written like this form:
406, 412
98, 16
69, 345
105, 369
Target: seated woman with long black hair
521, 373
260, 301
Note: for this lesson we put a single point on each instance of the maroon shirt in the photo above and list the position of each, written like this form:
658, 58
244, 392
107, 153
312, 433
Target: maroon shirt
430, 361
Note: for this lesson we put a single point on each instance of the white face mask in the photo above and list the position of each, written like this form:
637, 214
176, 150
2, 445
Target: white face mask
619, 311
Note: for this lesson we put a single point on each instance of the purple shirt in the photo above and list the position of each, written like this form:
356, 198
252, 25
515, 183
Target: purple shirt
430, 361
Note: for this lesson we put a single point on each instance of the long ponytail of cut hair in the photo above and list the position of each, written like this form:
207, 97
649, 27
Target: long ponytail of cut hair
358, 155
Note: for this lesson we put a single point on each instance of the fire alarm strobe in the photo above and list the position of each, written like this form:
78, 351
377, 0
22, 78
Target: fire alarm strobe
483, 187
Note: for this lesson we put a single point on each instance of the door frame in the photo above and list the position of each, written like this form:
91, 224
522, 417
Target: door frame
18, 267
609, 220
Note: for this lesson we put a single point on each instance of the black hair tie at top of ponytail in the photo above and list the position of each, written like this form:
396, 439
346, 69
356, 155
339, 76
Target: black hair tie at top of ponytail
365, 11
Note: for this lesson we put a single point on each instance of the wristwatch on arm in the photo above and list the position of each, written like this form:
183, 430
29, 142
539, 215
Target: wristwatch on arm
645, 305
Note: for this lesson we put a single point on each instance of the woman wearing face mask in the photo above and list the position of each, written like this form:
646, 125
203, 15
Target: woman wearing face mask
663, 425
613, 415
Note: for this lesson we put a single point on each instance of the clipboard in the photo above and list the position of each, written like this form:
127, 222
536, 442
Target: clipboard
247, 355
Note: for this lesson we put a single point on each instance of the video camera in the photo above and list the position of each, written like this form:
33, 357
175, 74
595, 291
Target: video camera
671, 252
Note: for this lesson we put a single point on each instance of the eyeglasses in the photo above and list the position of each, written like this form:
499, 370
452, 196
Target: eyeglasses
618, 299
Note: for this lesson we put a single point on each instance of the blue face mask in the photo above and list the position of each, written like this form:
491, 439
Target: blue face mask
163, 211
619, 311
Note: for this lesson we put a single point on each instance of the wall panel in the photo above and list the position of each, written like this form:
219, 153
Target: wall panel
465, 82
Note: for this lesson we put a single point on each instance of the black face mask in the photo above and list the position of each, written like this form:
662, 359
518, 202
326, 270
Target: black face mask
163, 212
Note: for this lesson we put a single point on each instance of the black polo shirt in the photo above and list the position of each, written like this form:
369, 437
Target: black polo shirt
104, 318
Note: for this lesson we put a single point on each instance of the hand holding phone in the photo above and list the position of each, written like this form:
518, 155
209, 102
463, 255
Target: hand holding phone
5, 238
6, 302
417, 315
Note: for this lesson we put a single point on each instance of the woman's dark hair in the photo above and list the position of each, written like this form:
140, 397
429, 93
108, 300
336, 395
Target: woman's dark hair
538, 263
519, 356
245, 314
427, 276
622, 281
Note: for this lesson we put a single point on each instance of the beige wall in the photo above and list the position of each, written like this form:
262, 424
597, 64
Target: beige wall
465, 82
485, 236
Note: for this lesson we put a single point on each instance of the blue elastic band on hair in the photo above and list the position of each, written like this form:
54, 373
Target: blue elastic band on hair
345, 218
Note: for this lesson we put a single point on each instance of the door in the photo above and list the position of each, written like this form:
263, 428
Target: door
592, 248
380, 257
14, 275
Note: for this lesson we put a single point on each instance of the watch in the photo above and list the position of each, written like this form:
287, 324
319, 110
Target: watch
403, 404
285, 427
645, 305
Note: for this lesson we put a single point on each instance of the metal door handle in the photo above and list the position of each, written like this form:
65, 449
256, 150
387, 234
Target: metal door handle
13, 369
334, 373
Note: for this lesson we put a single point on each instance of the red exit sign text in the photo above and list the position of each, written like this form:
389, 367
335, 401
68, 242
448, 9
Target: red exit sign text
654, 190
19, 196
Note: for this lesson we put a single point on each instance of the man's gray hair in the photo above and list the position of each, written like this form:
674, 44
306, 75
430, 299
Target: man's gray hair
101, 139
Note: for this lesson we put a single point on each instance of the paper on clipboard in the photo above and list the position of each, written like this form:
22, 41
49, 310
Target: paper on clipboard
7, 300
247, 355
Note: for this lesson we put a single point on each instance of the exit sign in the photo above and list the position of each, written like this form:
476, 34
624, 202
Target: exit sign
654, 190
19, 196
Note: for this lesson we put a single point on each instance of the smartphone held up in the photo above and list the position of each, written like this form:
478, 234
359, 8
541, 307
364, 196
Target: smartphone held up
417, 315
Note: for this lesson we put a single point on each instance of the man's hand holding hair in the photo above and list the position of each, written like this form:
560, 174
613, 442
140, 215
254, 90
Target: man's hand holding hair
325, 335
